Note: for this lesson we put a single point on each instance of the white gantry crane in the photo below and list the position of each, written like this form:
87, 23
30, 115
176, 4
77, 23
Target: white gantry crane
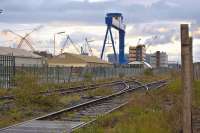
69, 41
86, 47
148, 42
24, 39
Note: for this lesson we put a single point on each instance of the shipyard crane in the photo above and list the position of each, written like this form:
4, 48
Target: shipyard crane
139, 40
67, 41
24, 38
86, 46
148, 42
115, 20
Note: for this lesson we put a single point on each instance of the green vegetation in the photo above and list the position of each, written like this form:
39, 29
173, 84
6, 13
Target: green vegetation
196, 94
67, 99
148, 72
121, 75
156, 111
99, 92
26, 93
28, 104
88, 77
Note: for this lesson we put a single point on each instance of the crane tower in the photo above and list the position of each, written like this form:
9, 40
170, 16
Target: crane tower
115, 20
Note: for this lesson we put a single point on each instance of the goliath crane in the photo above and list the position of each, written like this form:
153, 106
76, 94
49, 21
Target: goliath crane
24, 38
86, 46
115, 20
67, 41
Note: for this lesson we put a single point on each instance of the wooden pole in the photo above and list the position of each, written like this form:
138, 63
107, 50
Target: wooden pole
186, 77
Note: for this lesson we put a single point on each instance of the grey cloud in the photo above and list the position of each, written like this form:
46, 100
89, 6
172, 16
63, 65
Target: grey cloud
166, 33
76, 11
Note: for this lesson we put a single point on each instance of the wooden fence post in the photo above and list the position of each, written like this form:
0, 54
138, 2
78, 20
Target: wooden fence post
186, 78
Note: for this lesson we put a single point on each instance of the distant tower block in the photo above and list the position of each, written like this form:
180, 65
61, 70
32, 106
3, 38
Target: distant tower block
137, 53
115, 20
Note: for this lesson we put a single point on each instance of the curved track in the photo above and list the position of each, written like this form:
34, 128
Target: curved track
72, 118
70, 90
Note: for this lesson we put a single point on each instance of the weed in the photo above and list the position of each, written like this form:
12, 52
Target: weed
196, 93
148, 72
99, 92
146, 113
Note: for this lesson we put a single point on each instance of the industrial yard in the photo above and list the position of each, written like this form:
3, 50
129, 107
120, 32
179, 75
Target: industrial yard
99, 66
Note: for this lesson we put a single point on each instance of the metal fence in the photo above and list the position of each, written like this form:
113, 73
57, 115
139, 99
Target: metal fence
196, 69
7, 71
47, 74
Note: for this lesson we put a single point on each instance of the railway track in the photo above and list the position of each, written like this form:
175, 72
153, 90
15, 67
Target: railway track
72, 118
70, 90
78, 89
115, 86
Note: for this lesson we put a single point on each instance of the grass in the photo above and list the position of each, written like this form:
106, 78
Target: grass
28, 104
157, 111
140, 116
147, 112
99, 92
196, 94
67, 99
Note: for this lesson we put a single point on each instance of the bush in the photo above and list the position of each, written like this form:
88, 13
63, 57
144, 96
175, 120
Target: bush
100, 92
27, 93
88, 77
121, 75
148, 72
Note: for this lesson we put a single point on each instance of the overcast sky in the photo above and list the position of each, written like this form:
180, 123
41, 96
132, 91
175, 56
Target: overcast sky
86, 18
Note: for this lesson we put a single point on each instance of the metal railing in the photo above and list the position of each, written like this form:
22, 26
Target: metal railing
46, 74
7, 70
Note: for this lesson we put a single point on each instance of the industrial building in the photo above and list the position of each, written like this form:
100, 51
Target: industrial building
111, 58
140, 64
75, 60
43, 54
159, 59
22, 57
137, 53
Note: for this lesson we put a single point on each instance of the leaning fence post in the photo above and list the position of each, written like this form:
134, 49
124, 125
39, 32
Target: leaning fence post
186, 77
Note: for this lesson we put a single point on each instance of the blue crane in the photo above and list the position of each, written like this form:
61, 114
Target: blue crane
115, 20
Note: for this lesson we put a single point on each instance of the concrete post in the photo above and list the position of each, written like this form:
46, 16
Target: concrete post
191, 57
186, 77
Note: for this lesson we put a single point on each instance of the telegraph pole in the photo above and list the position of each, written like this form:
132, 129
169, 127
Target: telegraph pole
186, 54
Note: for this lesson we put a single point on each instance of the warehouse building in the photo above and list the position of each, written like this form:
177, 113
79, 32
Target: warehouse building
75, 60
22, 57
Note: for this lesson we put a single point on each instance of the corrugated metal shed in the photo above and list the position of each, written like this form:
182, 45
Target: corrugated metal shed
17, 52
